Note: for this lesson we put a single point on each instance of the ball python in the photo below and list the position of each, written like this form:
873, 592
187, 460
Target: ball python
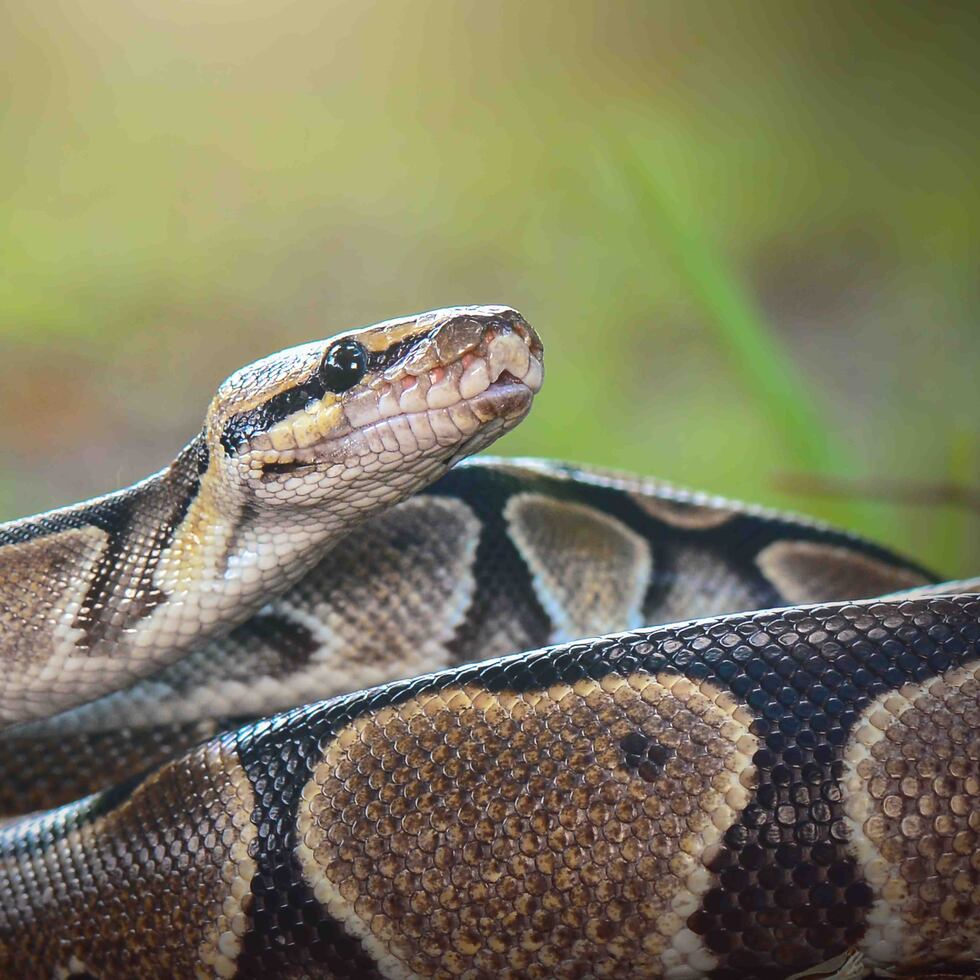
784, 792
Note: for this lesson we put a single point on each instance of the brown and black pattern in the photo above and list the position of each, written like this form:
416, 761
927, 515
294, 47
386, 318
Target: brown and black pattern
495, 557
469, 831
133, 527
783, 888
86, 573
140, 525
704, 552
694, 777
786, 891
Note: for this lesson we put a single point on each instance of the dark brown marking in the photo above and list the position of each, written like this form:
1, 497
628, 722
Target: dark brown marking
647, 756
141, 524
284, 645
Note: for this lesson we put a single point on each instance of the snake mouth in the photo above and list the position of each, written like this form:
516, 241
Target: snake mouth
450, 410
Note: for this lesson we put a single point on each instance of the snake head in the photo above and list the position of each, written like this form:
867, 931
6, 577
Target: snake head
371, 415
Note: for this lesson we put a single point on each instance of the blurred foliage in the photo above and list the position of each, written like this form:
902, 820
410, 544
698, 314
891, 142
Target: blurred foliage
747, 231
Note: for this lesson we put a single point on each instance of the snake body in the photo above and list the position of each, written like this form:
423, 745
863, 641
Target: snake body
497, 556
786, 792
741, 797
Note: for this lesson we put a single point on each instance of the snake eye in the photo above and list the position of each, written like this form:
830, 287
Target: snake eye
342, 366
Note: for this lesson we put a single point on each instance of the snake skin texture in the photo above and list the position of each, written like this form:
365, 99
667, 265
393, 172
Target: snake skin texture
497, 556
786, 794
296, 450
744, 797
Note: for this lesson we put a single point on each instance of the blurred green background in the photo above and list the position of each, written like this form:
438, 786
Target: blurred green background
748, 231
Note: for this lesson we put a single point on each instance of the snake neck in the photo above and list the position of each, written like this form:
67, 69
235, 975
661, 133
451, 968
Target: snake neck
127, 582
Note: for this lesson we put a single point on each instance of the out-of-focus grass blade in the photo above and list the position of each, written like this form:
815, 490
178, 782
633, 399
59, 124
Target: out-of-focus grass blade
758, 355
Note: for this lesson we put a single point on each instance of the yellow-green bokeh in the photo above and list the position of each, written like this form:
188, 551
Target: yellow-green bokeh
746, 231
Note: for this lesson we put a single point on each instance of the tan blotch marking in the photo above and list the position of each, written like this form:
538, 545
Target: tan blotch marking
306, 428
679, 513
808, 571
391, 332
554, 834
159, 887
912, 803
589, 570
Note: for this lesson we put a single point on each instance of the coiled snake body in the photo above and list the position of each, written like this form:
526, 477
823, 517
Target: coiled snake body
793, 791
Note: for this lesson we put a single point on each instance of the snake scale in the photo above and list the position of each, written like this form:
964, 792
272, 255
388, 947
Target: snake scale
784, 783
